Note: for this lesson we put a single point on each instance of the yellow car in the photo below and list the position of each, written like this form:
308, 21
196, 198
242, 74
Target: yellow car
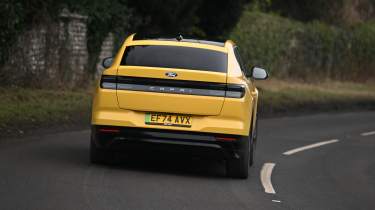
177, 94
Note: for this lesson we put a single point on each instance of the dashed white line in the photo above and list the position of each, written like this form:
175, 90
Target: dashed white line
368, 133
265, 177
311, 146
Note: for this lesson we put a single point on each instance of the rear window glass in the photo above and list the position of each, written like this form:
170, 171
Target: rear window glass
175, 57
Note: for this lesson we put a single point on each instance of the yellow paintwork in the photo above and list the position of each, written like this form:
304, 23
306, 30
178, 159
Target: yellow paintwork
184, 74
233, 116
174, 103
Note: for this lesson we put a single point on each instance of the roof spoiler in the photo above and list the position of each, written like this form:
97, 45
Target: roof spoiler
176, 38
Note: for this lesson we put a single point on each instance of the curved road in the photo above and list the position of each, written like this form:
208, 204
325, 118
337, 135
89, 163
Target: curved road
53, 172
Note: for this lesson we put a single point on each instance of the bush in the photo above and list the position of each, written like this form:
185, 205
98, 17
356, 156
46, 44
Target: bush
263, 39
306, 51
363, 50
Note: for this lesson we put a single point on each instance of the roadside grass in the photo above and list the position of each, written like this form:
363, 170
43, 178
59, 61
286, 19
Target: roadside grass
34, 108
282, 97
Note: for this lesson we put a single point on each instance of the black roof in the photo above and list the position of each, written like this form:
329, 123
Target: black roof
180, 39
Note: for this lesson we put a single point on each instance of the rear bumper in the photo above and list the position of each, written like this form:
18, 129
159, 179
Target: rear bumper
207, 124
193, 143
234, 117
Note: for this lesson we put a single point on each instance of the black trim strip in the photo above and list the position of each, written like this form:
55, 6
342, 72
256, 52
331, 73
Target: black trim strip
173, 86
216, 146
172, 83
173, 90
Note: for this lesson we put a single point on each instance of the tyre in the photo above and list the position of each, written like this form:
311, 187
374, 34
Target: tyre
97, 155
253, 143
251, 153
239, 167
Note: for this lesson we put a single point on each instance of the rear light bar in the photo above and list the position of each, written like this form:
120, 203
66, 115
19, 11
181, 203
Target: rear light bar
108, 82
235, 91
173, 86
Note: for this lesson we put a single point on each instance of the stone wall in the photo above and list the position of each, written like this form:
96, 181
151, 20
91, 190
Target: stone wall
51, 54
74, 55
106, 50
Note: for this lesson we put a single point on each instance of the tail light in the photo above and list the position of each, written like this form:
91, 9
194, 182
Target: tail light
109, 130
108, 82
225, 138
229, 90
235, 91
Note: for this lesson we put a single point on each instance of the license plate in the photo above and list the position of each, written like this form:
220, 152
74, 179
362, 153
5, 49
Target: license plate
168, 119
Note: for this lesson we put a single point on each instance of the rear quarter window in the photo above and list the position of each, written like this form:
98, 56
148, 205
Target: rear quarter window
175, 57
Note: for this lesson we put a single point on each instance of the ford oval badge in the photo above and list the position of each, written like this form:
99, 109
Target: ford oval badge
171, 74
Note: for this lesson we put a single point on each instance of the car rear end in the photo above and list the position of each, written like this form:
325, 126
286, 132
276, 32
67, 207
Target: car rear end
172, 93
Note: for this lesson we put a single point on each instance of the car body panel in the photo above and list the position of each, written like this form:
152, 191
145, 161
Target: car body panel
183, 74
167, 102
220, 115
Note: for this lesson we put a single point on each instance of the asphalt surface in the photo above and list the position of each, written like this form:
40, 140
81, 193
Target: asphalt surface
53, 172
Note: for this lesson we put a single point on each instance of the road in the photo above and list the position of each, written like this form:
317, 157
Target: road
53, 172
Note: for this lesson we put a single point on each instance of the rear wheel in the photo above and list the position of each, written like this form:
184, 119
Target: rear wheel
253, 143
239, 167
97, 155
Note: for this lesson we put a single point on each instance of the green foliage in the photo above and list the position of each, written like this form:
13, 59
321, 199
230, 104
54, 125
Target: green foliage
362, 48
11, 23
287, 47
336, 12
168, 17
263, 39
306, 51
305, 10
217, 18
103, 17
315, 53
196, 18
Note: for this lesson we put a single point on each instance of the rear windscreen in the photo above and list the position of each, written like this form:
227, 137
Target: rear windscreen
175, 57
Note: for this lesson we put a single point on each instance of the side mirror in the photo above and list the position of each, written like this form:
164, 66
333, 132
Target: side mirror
107, 62
259, 73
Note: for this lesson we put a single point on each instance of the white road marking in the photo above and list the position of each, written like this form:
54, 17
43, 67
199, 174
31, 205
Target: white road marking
311, 146
276, 201
368, 133
265, 177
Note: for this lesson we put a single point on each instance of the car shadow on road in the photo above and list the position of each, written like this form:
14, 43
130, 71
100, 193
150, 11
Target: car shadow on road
168, 163
157, 162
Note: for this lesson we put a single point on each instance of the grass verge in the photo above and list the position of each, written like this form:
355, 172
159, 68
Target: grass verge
290, 97
29, 109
